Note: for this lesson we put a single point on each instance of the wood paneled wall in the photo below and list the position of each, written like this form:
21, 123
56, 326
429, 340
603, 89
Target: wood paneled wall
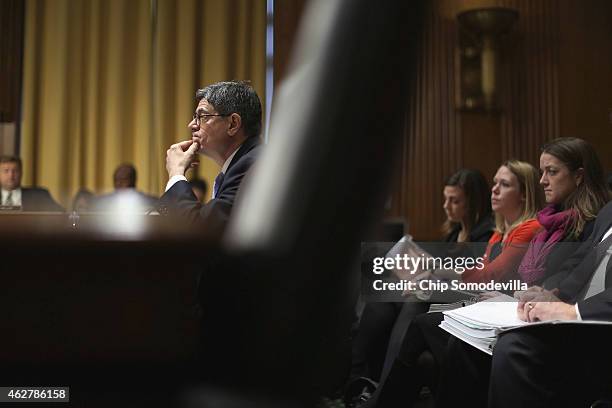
287, 15
432, 144
585, 73
11, 44
11, 51
529, 89
554, 80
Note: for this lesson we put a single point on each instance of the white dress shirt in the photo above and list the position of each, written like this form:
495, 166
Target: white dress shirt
15, 197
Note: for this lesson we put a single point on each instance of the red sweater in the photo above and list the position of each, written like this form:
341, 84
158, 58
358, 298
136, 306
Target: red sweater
504, 266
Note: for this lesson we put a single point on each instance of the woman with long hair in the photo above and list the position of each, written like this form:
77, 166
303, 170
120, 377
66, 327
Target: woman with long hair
468, 219
467, 207
515, 199
575, 191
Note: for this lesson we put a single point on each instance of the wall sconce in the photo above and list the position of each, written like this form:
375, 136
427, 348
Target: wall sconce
478, 43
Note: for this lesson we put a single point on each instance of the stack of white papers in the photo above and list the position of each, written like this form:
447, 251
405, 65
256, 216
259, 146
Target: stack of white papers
442, 307
480, 323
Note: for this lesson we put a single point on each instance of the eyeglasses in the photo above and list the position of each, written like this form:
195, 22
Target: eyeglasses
202, 117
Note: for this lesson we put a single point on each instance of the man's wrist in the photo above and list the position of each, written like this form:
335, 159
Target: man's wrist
176, 172
571, 312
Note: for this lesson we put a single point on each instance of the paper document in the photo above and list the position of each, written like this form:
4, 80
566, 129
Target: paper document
498, 312
481, 323
485, 345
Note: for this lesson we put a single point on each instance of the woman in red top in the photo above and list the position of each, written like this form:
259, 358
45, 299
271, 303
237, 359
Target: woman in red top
515, 199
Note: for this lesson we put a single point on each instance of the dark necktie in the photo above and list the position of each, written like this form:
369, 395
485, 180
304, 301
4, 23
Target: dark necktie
602, 248
609, 273
217, 183
9, 199
600, 278
605, 245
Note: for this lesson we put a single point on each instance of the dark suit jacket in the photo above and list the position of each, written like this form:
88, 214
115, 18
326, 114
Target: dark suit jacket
38, 199
481, 232
181, 201
575, 276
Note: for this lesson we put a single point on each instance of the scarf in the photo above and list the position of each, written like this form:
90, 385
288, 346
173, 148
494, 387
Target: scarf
555, 223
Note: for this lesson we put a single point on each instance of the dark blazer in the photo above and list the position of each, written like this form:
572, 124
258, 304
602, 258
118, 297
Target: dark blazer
38, 199
180, 200
475, 245
481, 232
575, 276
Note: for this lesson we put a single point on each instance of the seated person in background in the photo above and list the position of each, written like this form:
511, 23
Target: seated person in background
15, 196
574, 188
199, 188
575, 191
125, 197
515, 199
546, 366
468, 219
83, 201
225, 127
467, 208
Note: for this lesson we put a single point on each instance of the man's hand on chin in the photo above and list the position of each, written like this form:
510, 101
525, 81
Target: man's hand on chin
181, 156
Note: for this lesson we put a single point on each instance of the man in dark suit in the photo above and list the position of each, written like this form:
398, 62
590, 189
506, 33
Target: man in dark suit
549, 365
15, 196
225, 127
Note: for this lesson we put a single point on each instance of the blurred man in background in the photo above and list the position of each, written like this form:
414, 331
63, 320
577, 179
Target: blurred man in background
16, 197
125, 196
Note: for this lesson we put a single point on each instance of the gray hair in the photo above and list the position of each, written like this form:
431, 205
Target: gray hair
235, 97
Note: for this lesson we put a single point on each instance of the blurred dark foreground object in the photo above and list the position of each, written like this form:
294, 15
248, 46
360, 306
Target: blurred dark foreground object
137, 316
112, 314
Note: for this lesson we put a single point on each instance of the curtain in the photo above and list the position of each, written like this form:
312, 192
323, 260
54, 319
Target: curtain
113, 81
